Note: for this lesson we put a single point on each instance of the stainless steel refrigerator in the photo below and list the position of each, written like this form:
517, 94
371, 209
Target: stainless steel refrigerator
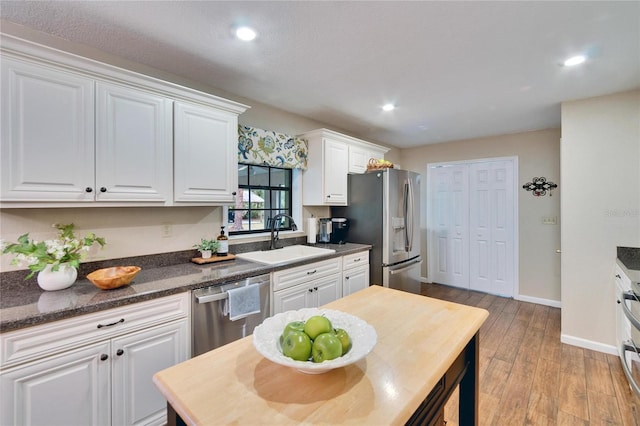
384, 211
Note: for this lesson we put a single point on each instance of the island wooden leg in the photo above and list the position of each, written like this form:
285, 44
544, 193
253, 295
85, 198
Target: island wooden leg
468, 408
173, 419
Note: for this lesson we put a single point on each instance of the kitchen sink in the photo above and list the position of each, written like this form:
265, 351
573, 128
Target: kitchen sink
285, 254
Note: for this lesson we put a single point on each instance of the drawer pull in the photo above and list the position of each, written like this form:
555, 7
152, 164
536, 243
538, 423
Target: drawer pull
356, 260
312, 272
618, 276
112, 324
104, 357
310, 290
119, 352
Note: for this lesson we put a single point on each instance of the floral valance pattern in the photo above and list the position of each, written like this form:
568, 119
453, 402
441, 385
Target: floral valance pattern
265, 147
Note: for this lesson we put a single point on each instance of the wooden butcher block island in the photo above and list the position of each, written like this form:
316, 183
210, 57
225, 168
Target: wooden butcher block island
425, 348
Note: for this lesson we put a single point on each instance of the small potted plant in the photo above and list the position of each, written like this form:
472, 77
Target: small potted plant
56, 261
207, 247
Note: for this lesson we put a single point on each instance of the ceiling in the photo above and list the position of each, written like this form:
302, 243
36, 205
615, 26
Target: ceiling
455, 70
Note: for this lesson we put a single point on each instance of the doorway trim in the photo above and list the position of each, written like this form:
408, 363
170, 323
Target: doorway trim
516, 223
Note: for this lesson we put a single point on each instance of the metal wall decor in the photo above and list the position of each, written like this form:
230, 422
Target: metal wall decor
540, 186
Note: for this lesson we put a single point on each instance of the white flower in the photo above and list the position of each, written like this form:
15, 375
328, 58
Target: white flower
3, 244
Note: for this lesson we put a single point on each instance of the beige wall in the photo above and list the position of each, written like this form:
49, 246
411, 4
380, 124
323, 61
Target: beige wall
600, 153
538, 155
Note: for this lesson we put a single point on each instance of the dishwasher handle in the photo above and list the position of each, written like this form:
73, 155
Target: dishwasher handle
208, 298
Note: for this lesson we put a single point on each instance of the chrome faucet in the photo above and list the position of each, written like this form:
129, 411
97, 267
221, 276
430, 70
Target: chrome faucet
274, 238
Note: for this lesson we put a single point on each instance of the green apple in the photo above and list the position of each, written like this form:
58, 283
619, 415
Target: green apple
292, 326
344, 338
296, 345
316, 325
326, 346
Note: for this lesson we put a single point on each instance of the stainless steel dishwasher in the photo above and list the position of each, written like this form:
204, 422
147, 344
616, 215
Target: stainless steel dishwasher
211, 326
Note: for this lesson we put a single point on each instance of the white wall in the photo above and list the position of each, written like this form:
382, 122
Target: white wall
600, 162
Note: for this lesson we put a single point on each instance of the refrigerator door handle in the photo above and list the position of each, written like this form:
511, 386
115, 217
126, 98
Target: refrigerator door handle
404, 268
405, 207
409, 218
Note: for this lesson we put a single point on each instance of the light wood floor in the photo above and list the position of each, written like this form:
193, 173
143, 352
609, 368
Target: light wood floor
528, 377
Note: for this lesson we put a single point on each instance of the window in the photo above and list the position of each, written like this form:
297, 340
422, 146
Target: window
263, 192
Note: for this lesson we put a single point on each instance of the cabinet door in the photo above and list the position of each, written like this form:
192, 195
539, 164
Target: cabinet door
327, 290
47, 134
336, 168
358, 159
205, 154
355, 279
70, 389
134, 145
136, 358
291, 299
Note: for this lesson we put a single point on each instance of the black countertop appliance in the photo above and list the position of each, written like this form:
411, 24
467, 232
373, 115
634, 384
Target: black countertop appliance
339, 228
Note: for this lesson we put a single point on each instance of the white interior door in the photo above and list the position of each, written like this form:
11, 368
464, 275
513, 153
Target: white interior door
491, 227
450, 210
472, 225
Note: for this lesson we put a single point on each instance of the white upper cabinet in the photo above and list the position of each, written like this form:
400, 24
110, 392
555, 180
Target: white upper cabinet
133, 145
205, 150
47, 134
332, 156
76, 132
359, 156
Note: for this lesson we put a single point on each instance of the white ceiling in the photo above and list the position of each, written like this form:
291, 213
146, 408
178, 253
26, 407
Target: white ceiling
456, 70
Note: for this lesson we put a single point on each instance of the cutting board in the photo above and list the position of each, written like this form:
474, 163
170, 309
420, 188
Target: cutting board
212, 259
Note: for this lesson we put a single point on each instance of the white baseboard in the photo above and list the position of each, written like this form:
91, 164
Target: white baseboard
588, 344
539, 301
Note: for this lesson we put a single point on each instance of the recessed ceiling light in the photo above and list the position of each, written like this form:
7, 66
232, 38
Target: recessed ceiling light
388, 107
575, 60
245, 33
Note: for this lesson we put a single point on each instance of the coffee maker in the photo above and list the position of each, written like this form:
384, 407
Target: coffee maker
339, 228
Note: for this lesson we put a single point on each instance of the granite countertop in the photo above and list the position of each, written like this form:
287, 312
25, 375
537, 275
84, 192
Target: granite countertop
24, 305
629, 261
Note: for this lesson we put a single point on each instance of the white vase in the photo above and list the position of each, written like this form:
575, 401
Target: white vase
57, 280
206, 254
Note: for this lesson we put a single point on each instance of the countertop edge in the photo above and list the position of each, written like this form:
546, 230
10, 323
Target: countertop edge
140, 292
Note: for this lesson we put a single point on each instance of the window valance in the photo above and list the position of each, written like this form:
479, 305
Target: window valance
266, 147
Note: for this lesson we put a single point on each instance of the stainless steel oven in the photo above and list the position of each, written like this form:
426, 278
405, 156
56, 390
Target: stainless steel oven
211, 326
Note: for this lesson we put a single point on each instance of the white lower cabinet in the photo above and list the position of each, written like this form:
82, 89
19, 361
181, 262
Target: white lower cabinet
356, 272
68, 389
94, 380
308, 295
355, 279
316, 284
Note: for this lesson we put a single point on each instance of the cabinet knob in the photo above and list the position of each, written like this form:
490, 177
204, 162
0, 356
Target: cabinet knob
104, 357
328, 196
310, 290
233, 193
315, 288
346, 278
103, 189
618, 302
88, 189
119, 352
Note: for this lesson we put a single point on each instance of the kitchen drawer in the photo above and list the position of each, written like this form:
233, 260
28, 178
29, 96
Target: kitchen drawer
622, 279
355, 260
303, 274
47, 339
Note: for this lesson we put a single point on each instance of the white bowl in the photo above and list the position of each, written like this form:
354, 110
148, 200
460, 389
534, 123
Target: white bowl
266, 339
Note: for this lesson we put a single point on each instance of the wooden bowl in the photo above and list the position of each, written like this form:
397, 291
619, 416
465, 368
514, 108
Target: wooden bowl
110, 278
